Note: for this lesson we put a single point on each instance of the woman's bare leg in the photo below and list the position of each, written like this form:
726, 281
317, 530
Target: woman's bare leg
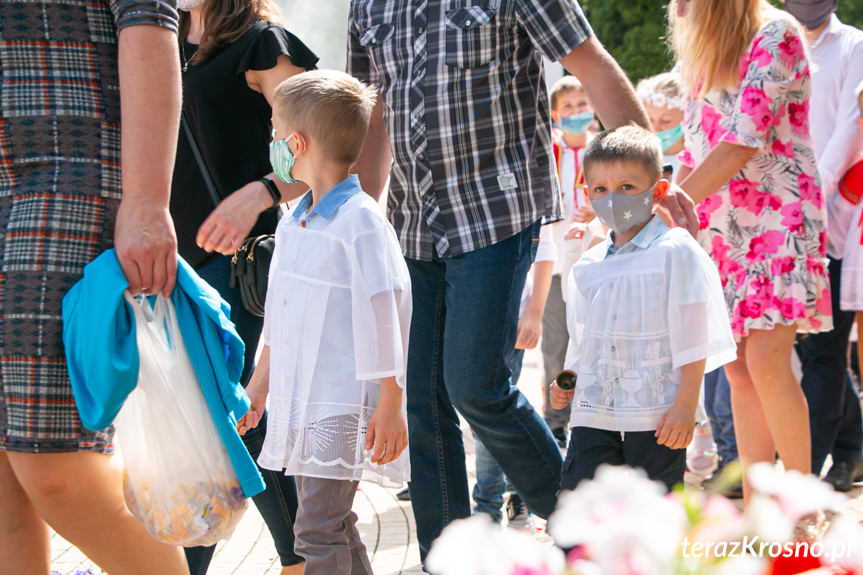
24, 545
754, 442
80, 495
786, 410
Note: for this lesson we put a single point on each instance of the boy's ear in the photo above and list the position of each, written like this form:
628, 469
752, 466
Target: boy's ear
555, 119
859, 121
661, 189
302, 146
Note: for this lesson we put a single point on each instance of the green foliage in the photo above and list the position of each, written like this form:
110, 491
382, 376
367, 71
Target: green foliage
851, 12
633, 31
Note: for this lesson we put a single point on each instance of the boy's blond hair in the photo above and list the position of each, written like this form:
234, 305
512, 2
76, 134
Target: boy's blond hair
331, 107
626, 144
565, 84
663, 91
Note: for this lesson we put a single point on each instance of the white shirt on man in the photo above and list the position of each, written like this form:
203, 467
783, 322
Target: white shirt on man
837, 69
636, 315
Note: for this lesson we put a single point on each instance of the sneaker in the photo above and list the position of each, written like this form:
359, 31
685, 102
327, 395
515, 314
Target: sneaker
404, 494
517, 515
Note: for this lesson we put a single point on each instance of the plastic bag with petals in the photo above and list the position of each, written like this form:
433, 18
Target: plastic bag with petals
178, 479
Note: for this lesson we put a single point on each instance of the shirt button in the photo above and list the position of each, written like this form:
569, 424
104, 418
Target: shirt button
303, 223
616, 380
421, 156
420, 30
467, 22
613, 348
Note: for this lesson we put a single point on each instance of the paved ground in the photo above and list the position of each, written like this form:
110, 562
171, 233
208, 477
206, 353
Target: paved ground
386, 524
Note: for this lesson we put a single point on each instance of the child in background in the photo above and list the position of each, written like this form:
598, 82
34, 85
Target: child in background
572, 116
645, 313
662, 97
336, 324
491, 482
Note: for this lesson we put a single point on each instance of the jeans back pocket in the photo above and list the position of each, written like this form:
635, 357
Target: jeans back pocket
471, 36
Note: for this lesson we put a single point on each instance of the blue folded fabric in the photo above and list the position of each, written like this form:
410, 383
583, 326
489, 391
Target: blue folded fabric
102, 352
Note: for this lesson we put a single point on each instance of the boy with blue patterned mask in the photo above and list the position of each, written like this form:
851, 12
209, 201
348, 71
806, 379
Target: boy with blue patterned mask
662, 97
571, 111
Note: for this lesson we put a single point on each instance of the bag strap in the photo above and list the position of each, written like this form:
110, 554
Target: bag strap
199, 159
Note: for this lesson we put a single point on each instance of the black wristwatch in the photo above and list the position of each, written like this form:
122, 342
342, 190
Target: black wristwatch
274, 191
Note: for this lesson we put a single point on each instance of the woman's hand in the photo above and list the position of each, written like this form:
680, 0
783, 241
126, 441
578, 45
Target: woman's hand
230, 223
146, 245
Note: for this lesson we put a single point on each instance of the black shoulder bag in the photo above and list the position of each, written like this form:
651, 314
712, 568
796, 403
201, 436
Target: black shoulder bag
250, 264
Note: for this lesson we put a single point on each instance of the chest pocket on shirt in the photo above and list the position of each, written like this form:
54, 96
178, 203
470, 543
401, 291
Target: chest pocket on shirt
470, 36
377, 35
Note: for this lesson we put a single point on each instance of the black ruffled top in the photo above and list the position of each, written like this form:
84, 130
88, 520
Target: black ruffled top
231, 123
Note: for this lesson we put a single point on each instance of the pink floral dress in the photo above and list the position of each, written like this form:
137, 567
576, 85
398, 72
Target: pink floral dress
765, 229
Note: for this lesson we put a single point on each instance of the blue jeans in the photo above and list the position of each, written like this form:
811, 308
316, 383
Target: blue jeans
491, 481
834, 409
717, 404
278, 502
465, 318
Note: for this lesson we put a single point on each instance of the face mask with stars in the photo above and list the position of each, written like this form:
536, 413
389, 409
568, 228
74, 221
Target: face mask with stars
620, 212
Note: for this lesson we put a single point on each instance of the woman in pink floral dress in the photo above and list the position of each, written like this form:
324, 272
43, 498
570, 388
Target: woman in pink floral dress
761, 210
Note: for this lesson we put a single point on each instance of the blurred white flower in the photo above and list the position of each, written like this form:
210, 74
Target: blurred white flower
767, 520
625, 521
797, 494
741, 565
843, 543
476, 546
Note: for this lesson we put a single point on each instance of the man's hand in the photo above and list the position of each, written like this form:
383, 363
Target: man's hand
146, 246
681, 208
676, 427
558, 397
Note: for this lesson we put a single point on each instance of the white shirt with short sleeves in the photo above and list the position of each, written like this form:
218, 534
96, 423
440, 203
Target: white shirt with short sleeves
837, 69
337, 321
635, 316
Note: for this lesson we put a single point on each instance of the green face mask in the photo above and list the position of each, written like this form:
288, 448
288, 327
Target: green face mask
282, 159
670, 137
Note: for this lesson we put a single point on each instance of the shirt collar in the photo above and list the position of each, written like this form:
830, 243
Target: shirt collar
643, 239
832, 29
331, 202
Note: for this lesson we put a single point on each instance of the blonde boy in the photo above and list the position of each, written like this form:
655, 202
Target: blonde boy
336, 324
645, 313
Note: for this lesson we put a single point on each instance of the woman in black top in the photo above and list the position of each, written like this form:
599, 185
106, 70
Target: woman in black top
233, 56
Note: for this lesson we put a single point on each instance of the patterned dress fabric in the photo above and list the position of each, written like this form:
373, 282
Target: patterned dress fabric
766, 229
60, 188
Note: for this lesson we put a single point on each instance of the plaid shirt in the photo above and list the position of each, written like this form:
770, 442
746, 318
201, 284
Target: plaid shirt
467, 113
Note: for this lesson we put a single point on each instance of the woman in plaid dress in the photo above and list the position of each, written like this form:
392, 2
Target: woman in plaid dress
63, 65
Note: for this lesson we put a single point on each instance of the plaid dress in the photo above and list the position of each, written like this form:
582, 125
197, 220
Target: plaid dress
60, 188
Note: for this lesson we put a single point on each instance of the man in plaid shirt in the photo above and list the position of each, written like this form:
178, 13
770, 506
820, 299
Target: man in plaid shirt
464, 113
